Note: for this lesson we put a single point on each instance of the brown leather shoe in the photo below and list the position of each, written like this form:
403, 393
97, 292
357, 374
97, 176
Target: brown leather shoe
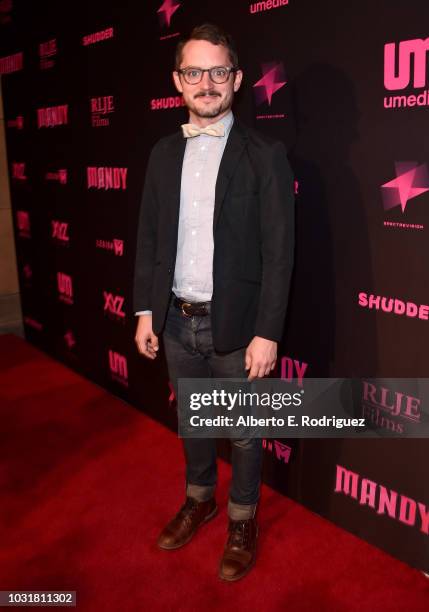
240, 550
186, 522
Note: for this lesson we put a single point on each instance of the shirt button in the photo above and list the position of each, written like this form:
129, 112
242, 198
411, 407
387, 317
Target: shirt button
197, 174
192, 261
194, 232
190, 288
195, 203
203, 148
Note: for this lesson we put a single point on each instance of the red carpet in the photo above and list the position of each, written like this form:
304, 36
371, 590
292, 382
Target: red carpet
87, 483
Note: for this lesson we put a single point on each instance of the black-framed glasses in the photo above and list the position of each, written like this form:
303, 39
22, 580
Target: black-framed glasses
218, 74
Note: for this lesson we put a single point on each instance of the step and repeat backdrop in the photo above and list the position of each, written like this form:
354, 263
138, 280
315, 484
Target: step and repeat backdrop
87, 90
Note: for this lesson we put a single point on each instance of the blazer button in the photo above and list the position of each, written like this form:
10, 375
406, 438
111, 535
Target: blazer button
169, 269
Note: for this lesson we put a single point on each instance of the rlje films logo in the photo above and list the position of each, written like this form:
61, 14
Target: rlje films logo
405, 71
47, 53
412, 180
101, 108
382, 500
165, 13
388, 408
267, 86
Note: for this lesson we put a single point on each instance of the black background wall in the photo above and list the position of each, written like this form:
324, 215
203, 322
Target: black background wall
352, 122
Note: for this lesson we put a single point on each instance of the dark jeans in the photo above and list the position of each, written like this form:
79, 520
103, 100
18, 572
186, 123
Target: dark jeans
190, 354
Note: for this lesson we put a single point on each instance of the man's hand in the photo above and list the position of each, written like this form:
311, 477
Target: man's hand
261, 356
147, 342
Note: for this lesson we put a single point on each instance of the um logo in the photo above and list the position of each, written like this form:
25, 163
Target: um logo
397, 74
65, 287
118, 367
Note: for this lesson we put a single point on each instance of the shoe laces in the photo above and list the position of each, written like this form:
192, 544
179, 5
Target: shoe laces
239, 533
188, 509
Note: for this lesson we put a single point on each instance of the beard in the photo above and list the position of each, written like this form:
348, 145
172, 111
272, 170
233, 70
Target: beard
215, 109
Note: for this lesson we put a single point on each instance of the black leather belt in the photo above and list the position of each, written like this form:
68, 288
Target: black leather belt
189, 309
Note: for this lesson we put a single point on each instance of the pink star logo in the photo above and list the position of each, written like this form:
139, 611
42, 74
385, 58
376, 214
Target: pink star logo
411, 181
273, 79
166, 11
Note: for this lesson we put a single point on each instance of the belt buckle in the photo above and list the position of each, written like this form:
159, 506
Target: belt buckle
183, 312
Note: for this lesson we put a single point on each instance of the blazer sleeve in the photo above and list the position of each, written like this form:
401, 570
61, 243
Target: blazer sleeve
146, 241
277, 219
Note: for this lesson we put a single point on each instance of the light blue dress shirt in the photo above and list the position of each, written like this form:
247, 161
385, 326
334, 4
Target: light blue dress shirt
193, 273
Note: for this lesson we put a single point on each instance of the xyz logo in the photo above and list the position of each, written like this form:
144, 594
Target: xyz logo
59, 231
398, 76
114, 304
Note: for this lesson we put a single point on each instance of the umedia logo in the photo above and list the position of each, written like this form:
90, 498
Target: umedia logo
259, 7
65, 288
411, 54
272, 80
411, 181
118, 368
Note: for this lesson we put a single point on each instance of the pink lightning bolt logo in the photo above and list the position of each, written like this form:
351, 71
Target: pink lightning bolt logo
272, 80
166, 11
411, 181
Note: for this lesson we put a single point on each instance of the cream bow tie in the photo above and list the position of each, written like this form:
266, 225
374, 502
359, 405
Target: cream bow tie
190, 130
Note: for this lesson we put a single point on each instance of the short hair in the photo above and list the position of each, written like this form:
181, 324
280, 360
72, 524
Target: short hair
212, 33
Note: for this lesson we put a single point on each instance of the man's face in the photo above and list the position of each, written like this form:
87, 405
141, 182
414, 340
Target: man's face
207, 99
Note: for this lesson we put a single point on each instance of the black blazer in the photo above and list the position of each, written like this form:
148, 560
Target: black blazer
253, 229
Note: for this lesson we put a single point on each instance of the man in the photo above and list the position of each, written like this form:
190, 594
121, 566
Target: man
213, 266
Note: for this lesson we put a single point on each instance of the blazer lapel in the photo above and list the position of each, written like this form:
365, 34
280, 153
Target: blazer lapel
233, 149
173, 176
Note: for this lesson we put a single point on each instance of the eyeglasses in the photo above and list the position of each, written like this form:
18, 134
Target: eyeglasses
218, 74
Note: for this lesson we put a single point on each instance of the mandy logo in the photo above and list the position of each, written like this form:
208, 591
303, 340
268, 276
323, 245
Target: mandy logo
411, 181
382, 500
118, 367
282, 451
291, 369
399, 79
52, 116
273, 79
60, 231
114, 304
166, 11
106, 177
65, 287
